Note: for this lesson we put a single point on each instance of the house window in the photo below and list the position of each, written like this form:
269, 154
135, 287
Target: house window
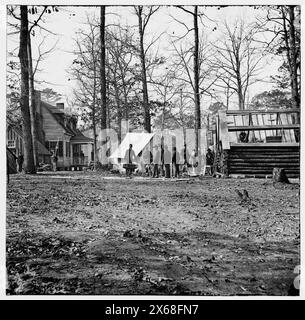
10, 135
60, 151
67, 149
55, 145
11, 144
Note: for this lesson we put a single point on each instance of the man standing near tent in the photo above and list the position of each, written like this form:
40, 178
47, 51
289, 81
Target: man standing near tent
167, 161
175, 162
129, 158
162, 170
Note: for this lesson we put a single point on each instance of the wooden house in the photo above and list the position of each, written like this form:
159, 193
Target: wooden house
57, 132
14, 143
253, 142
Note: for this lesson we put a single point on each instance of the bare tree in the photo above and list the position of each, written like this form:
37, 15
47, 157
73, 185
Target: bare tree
29, 165
282, 24
165, 87
197, 73
292, 39
239, 59
33, 113
143, 19
196, 77
85, 70
34, 10
50, 96
122, 69
103, 69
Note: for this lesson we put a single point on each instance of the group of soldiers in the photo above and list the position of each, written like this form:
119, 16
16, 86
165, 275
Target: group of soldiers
162, 160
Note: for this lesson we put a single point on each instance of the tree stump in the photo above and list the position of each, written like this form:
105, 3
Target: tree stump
279, 175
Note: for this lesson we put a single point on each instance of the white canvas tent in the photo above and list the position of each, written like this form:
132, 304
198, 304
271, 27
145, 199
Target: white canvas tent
138, 140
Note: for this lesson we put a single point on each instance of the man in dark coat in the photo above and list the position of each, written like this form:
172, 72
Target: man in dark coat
175, 162
20, 160
167, 162
156, 161
129, 159
210, 160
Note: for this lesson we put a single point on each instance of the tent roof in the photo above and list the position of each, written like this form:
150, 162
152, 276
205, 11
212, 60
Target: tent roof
138, 140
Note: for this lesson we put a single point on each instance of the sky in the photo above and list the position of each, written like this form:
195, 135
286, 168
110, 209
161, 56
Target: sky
55, 67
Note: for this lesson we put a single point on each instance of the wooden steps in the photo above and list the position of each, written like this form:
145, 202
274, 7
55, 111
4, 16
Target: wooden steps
260, 160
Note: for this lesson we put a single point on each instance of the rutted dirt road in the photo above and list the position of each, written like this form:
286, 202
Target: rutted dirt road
81, 233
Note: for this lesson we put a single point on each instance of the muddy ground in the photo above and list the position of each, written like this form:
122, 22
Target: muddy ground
83, 233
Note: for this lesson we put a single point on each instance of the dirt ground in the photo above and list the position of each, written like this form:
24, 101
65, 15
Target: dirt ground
84, 233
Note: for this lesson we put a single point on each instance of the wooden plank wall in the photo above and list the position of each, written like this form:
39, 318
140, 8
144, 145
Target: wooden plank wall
53, 130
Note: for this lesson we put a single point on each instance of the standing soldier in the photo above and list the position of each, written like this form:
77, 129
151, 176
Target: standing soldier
20, 160
156, 161
129, 158
167, 162
210, 160
54, 161
175, 162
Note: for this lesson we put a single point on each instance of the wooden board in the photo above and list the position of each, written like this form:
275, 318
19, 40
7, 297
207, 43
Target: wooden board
239, 112
261, 144
263, 127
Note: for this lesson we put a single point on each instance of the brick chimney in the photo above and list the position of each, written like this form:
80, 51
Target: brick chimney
39, 118
38, 101
60, 105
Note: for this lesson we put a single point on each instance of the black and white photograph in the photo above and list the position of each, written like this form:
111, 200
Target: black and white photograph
152, 150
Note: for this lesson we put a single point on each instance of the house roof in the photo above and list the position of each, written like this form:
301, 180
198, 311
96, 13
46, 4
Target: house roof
17, 129
53, 109
59, 114
80, 138
41, 148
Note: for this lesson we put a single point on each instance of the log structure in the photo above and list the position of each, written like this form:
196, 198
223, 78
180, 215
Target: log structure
254, 142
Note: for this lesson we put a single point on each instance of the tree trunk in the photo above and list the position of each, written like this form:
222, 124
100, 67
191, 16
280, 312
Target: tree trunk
119, 110
94, 144
279, 175
241, 99
103, 71
147, 125
293, 59
126, 108
227, 97
103, 159
196, 79
29, 166
34, 122
94, 114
